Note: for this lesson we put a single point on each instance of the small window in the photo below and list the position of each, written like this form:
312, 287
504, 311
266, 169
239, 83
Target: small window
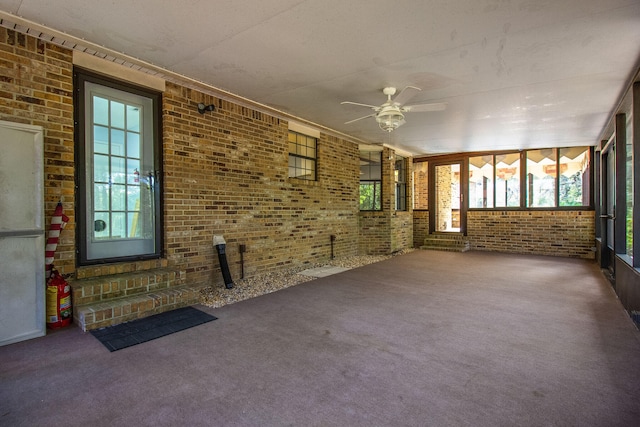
574, 176
370, 180
481, 181
302, 156
400, 176
541, 178
507, 180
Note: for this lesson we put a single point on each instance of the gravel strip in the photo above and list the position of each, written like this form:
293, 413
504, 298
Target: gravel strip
218, 296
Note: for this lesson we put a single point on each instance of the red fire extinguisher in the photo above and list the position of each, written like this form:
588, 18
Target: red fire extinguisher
59, 310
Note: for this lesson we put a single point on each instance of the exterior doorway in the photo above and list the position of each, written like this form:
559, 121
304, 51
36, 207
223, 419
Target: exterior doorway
608, 201
448, 204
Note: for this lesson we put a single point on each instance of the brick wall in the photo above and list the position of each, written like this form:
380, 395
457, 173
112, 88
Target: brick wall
420, 227
36, 88
387, 231
225, 173
568, 233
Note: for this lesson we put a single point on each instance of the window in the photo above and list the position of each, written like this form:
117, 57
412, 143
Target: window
370, 180
552, 177
400, 176
507, 180
302, 156
481, 182
541, 178
421, 185
119, 161
574, 176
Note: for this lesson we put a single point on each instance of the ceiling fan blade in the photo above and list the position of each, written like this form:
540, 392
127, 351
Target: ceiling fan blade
420, 108
360, 118
406, 94
361, 105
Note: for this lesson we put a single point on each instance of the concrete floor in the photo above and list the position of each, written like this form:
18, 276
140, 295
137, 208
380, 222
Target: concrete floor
426, 338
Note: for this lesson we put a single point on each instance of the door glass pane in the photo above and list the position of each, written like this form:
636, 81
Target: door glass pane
100, 111
629, 186
481, 182
421, 185
118, 197
447, 197
133, 145
117, 142
117, 115
611, 196
101, 225
507, 180
101, 168
101, 197
133, 118
101, 139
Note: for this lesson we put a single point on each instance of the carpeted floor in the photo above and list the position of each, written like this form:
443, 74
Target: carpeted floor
427, 338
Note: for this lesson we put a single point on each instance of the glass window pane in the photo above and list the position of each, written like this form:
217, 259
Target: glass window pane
481, 182
100, 168
118, 171
508, 180
541, 178
421, 185
133, 118
117, 115
574, 176
100, 111
100, 139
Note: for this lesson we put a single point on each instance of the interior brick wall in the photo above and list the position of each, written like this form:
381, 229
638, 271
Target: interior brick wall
568, 233
36, 88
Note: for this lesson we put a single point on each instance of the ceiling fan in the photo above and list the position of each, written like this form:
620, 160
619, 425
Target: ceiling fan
390, 115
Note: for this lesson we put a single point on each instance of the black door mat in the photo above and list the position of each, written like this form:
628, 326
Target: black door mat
138, 331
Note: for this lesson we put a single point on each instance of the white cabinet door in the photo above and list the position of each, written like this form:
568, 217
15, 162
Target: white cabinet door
22, 284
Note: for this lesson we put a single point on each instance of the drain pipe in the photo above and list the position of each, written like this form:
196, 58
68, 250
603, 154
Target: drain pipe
243, 249
333, 239
220, 244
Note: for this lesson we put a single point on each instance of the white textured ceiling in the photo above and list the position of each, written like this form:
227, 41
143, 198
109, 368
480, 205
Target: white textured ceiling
513, 73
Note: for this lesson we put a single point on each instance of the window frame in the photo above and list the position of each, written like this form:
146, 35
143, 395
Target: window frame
296, 155
400, 177
377, 183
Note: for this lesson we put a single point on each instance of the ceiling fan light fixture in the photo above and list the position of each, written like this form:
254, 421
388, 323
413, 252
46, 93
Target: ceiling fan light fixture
390, 120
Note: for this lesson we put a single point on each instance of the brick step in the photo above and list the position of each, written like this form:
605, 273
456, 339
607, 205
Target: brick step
120, 310
453, 242
105, 288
